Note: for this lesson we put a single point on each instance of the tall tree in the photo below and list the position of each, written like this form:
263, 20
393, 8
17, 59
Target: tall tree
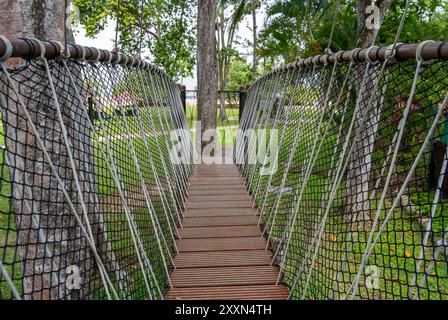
366, 35
207, 67
240, 73
224, 55
291, 28
254, 4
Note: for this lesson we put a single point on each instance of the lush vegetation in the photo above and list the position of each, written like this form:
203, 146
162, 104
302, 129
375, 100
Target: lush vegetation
342, 245
297, 28
164, 28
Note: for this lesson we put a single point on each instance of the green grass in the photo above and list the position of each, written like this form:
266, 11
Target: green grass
8, 233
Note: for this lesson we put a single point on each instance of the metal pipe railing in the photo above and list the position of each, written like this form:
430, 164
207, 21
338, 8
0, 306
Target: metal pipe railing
29, 49
402, 52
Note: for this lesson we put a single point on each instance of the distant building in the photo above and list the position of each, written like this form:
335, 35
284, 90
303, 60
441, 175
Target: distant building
126, 99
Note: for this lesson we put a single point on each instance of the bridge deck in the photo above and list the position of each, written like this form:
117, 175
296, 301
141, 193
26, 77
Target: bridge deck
222, 253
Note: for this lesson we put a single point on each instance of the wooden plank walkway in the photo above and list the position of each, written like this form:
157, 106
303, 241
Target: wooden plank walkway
221, 252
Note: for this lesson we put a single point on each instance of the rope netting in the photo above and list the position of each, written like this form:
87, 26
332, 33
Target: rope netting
353, 201
90, 201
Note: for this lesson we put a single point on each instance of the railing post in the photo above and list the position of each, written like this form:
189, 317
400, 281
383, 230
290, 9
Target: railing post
183, 96
243, 93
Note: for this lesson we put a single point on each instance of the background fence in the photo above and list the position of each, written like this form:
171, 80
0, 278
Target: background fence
358, 205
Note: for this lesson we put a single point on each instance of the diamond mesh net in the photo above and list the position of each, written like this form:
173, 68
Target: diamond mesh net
111, 169
356, 206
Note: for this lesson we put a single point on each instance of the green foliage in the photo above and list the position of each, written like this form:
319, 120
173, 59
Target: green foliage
230, 14
166, 28
291, 26
240, 73
302, 28
426, 19
294, 28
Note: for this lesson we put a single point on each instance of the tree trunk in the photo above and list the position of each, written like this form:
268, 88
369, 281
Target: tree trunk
222, 65
254, 40
49, 239
207, 67
366, 125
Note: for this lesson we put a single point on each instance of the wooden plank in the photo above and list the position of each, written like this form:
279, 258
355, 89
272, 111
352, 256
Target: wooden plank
221, 251
219, 197
213, 186
219, 212
203, 165
210, 192
219, 166
261, 292
215, 175
223, 259
225, 172
219, 204
248, 220
224, 276
217, 170
221, 244
215, 178
219, 232
229, 182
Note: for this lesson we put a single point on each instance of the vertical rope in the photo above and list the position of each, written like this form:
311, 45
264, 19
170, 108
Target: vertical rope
11, 285
429, 226
66, 16
393, 161
117, 25
280, 106
312, 158
150, 120
328, 50
70, 155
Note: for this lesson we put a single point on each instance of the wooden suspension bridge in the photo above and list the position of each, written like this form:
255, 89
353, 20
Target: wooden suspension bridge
222, 253
112, 164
